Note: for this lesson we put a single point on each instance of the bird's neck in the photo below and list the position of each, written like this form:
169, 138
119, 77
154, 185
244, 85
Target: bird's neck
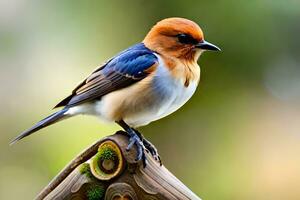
186, 70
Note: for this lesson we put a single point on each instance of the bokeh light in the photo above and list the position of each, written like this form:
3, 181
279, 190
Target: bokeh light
237, 138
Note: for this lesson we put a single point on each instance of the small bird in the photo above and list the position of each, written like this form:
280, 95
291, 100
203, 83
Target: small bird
141, 84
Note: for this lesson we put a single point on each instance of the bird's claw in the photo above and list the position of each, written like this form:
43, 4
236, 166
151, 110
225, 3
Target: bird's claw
135, 139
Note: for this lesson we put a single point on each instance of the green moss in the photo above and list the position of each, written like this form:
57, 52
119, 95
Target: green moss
85, 169
95, 192
107, 153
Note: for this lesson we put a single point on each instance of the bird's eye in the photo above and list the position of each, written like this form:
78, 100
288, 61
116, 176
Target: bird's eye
186, 39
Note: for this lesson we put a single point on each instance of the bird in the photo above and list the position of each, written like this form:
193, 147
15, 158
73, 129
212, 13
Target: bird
141, 84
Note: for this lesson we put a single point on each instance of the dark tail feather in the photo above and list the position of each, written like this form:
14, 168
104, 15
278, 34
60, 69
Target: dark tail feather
55, 117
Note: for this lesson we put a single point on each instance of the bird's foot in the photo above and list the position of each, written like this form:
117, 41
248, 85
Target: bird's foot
142, 145
134, 138
150, 147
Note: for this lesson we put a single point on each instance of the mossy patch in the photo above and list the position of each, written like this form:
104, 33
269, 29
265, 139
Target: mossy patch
95, 192
85, 169
107, 153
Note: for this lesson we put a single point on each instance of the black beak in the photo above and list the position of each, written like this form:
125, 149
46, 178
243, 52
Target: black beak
207, 46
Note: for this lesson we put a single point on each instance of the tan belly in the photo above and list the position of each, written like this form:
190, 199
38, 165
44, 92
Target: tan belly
127, 102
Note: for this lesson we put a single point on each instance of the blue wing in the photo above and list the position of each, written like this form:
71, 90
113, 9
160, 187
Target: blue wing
128, 67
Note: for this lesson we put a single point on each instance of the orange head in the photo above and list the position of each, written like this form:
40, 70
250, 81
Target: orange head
177, 37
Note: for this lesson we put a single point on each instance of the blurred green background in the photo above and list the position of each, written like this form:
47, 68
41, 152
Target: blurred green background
237, 138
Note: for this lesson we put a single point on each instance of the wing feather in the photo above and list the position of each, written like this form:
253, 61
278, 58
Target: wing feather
128, 67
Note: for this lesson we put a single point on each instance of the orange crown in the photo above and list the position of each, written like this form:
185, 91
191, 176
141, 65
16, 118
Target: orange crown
162, 37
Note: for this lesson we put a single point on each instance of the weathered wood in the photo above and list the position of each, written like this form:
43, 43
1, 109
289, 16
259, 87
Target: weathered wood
107, 171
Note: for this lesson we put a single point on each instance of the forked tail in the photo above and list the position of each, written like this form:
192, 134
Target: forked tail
55, 117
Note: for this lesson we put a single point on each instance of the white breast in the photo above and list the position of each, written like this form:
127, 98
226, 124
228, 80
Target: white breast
173, 93
177, 98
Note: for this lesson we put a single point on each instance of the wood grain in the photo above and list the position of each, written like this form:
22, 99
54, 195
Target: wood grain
128, 179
